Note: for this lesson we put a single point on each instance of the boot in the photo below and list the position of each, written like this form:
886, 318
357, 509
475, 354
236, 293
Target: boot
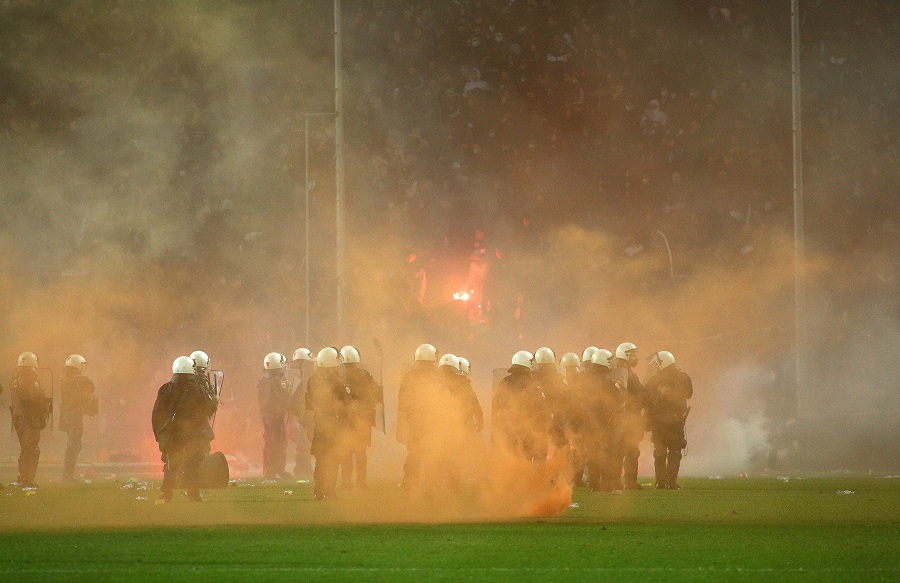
662, 480
672, 474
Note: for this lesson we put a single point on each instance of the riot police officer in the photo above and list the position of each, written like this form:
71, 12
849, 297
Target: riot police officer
79, 398
573, 381
367, 395
633, 427
604, 402
473, 413
181, 427
411, 424
274, 396
328, 412
201, 369
453, 416
303, 364
555, 391
668, 391
520, 420
30, 411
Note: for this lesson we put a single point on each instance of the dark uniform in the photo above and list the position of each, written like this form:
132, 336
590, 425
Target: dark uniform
520, 419
633, 426
79, 398
206, 386
553, 387
367, 394
574, 390
181, 427
604, 402
30, 412
297, 426
418, 382
453, 415
329, 399
668, 391
274, 394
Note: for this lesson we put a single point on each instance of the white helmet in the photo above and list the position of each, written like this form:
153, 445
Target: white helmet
663, 359
603, 357
544, 355
569, 359
349, 355
274, 361
200, 358
450, 360
523, 358
28, 359
328, 357
588, 353
464, 366
303, 354
183, 365
623, 350
426, 352
76, 361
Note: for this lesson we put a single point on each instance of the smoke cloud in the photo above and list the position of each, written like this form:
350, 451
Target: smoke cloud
152, 204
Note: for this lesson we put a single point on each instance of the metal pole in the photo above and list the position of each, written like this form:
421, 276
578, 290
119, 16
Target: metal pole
799, 239
306, 216
669, 250
339, 167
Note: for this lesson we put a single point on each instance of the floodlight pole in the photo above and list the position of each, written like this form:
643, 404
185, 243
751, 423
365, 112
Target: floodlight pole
306, 117
339, 168
799, 238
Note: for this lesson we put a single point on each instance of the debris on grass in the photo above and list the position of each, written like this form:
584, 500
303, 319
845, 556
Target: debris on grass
573, 505
845, 492
288, 492
783, 479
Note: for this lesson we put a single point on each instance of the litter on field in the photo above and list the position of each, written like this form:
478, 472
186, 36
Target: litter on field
574, 505
845, 492
288, 492
783, 479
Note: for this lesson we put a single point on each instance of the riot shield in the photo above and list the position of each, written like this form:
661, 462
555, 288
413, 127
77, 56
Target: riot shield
218, 382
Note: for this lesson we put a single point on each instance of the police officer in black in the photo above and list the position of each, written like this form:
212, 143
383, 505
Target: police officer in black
79, 398
574, 390
453, 416
30, 412
604, 402
181, 427
412, 424
551, 383
328, 401
633, 424
274, 394
367, 394
668, 390
520, 418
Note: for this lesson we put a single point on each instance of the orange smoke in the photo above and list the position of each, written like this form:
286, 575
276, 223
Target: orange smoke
520, 488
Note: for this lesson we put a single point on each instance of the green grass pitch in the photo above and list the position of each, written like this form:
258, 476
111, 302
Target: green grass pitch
755, 529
